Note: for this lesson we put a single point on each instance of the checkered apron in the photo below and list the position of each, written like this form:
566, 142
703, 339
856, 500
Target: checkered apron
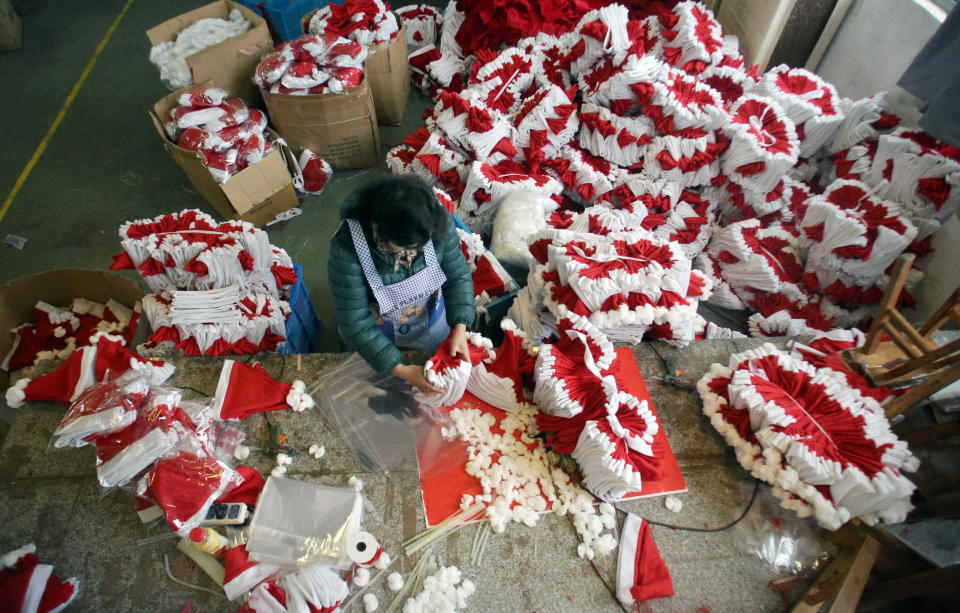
420, 289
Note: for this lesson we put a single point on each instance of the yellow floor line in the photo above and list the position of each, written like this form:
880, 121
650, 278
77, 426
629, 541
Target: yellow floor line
63, 111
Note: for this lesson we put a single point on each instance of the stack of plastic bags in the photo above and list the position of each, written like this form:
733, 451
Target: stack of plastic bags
219, 287
228, 135
312, 64
826, 448
171, 57
366, 21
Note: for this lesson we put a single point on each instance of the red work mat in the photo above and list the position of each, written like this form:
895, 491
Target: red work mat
443, 478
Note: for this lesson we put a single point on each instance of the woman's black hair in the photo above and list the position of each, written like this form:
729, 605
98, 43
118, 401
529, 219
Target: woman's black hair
405, 210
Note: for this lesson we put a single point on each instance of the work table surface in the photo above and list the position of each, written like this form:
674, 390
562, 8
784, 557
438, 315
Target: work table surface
51, 497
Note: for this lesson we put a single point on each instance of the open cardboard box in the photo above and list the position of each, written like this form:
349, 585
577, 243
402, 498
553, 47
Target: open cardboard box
59, 288
255, 194
232, 63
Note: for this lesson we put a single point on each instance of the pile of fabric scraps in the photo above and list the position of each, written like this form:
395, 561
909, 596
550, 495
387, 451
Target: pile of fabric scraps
28, 586
105, 356
228, 135
422, 22
171, 56
827, 449
609, 432
57, 332
312, 64
367, 22
219, 287
647, 119
490, 279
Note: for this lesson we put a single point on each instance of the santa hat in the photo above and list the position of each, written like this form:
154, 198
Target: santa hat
30, 587
117, 359
641, 573
62, 385
314, 587
499, 379
248, 491
241, 574
244, 389
451, 373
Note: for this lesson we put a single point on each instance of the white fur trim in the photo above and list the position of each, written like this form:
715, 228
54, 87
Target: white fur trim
10, 558
16, 395
298, 398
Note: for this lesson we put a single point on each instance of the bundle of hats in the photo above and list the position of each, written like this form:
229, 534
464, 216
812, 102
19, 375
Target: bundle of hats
228, 135
28, 586
490, 279
312, 64
367, 22
56, 332
421, 22
171, 56
450, 372
826, 448
501, 377
219, 287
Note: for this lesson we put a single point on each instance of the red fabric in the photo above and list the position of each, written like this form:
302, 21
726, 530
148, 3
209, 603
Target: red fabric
250, 390
182, 486
651, 575
59, 385
114, 357
247, 492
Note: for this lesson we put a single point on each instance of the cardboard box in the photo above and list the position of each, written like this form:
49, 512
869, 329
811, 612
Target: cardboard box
388, 71
340, 128
231, 64
255, 194
11, 29
59, 288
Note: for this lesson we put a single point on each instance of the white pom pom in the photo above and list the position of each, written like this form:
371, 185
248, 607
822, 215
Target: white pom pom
673, 504
356, 483
241, 453
361, 578
370, 603
283, 459
382, 561
279, 471
16, 395
395, 582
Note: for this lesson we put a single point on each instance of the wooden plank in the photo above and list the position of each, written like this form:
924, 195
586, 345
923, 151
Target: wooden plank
920, 584
923, 391
895, 336
942, 314
911, 332
907, 367
856, 579
826, 585
890, 296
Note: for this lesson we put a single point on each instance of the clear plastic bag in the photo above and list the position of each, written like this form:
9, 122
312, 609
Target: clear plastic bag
375, 413
101, 409
785, 542
299, 523
520, 215
224, 440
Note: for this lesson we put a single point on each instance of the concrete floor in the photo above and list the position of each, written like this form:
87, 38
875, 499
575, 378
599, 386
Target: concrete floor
105, 163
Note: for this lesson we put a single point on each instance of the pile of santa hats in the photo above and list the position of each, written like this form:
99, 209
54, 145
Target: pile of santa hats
219, 286
312, 64
501, 378
28, 586
827, 449
367, 22
608, 432
228, 135
422, 22
56, 332
490, 279
171, 56
451, 373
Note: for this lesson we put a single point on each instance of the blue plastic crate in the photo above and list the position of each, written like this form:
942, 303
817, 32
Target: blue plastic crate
285, 16
303, 326
489, 324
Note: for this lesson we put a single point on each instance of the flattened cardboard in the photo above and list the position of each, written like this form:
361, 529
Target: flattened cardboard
255, 194
340, 128
388, 71
11, 29
59, 288
230, 64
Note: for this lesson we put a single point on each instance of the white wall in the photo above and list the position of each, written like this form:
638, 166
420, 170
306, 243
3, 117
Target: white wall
872, 48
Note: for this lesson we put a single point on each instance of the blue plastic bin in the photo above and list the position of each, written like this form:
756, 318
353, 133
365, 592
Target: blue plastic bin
285, 16
303, 326
489, 325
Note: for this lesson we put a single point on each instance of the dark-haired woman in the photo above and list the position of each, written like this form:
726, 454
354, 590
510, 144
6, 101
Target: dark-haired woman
398, 277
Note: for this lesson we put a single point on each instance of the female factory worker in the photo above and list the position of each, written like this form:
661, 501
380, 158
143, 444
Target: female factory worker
398, 277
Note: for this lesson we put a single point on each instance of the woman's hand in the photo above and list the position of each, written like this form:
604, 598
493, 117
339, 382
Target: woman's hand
458, 342
413, 374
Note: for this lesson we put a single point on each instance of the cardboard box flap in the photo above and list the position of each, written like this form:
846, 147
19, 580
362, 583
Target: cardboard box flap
168, 30
388, 56
257, 183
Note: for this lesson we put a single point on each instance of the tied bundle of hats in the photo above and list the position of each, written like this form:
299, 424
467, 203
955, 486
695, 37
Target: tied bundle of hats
171, 56
219, 287
450, 372
312, 64
610, 433
367, 22
228, 135
648, 119
56, 332
421, 22
825, 447
490, 279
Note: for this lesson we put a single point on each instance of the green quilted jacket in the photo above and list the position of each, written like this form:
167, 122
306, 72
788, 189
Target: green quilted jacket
352, 295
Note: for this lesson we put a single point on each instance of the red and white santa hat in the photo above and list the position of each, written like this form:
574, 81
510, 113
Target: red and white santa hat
112, 356
586, 177
421, 22
451, 373
64, 384
245, 389
810, 102
243, 574
641, 572
399, 159
690, 157
620, 140
28, 586
313, 173
545, 121
763, 144
499, 379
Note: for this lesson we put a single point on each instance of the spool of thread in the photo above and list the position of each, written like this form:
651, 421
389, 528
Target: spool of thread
208, 540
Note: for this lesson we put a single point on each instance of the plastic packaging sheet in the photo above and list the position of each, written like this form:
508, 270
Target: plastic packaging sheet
298, 523
787, 543
101, 409
375, 413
